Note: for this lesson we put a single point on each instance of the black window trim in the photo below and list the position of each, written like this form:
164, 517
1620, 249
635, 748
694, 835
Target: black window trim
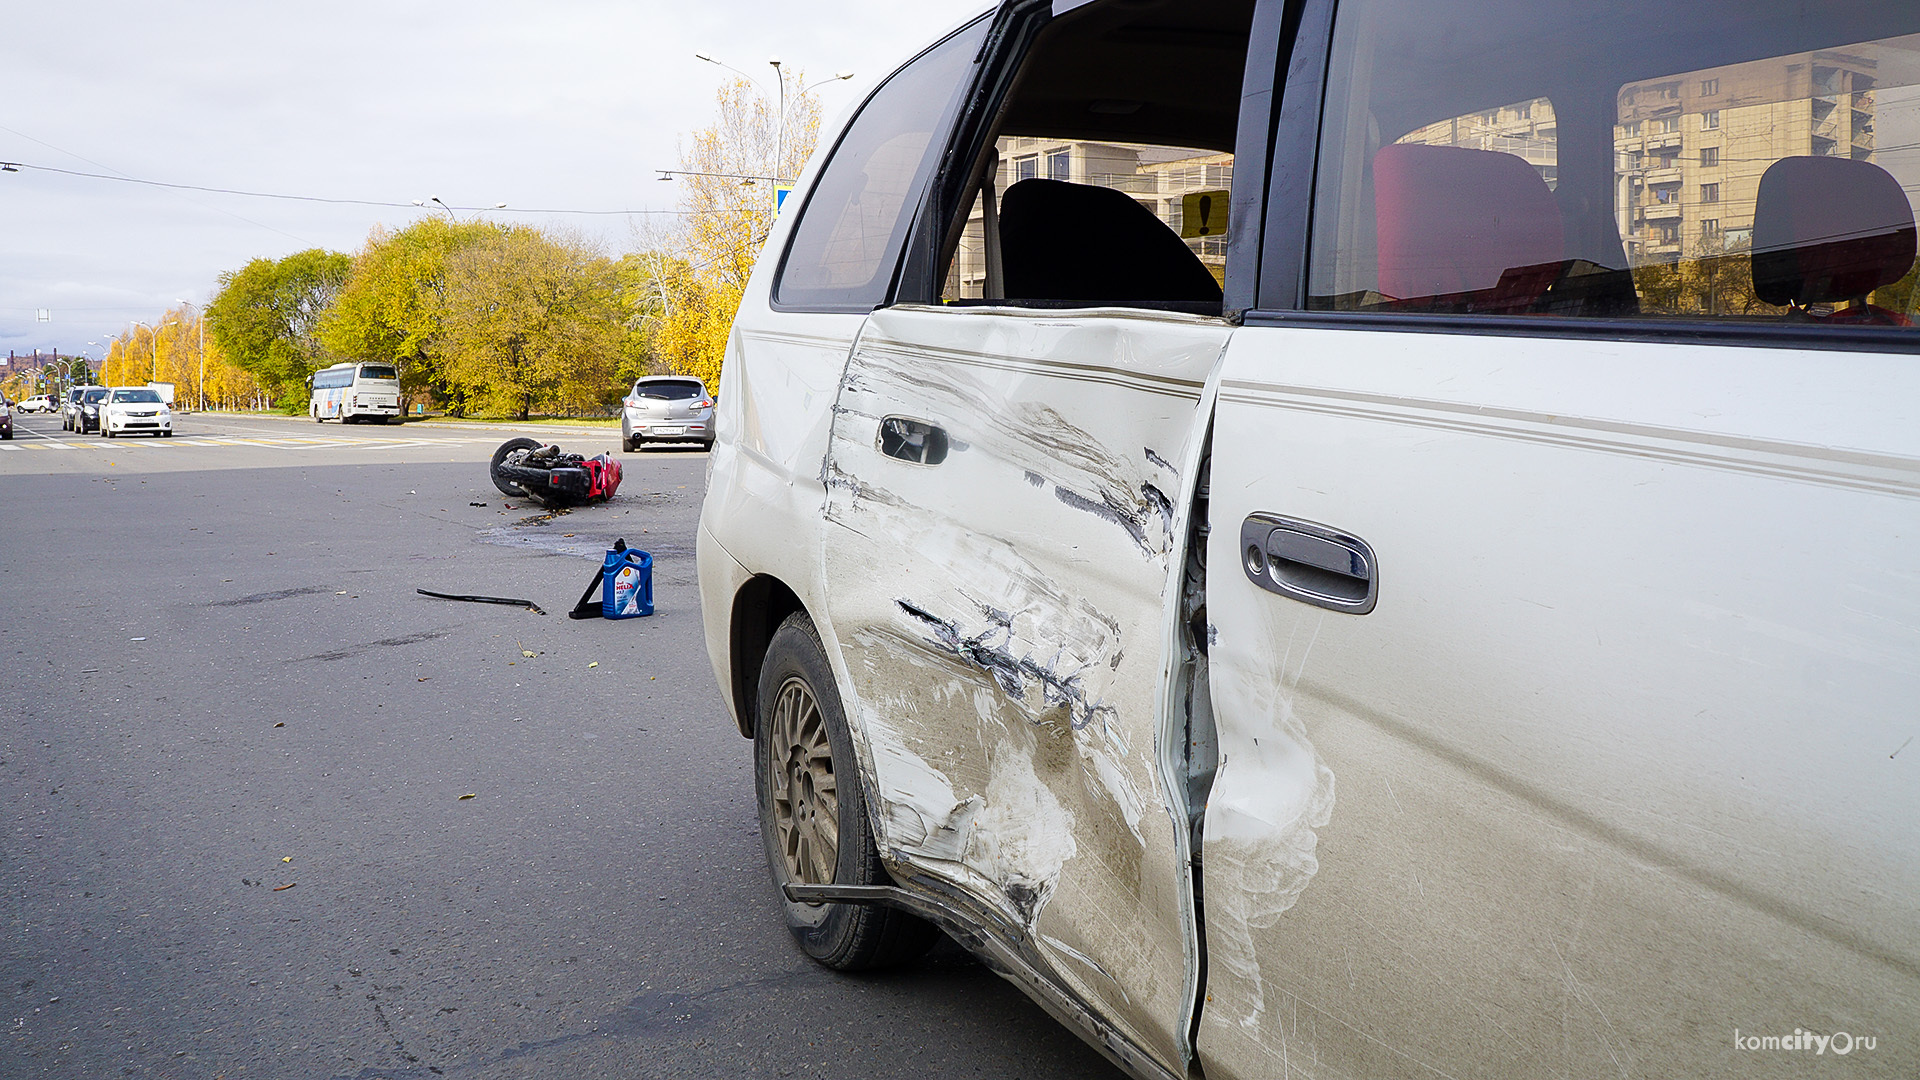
923, 271
941, 129
1286, 236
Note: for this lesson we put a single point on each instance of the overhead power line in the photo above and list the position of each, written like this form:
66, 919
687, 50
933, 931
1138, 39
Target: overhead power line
16, 166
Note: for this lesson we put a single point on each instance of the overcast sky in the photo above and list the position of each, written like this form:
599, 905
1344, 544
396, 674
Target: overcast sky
563, 104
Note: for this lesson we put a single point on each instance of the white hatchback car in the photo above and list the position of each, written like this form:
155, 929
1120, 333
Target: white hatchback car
1377, 540
135, 410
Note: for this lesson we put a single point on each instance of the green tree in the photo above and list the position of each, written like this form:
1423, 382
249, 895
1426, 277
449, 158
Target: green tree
266, 314
531, 322
392, 306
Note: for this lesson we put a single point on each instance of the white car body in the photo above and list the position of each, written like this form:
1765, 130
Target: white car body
1353, 681
134, 410
38, 403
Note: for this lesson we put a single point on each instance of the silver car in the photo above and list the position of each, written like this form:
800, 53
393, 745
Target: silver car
666, 408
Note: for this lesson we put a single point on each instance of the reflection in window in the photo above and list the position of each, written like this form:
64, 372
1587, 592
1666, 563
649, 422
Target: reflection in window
847, 243
1768, 175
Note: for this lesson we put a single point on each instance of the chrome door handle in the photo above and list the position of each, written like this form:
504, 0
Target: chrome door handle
1309, 563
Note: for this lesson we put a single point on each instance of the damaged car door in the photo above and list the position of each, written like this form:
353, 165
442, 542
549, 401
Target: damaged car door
1005, 479
999, 575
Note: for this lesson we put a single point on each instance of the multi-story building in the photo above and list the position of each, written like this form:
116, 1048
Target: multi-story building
1690, 149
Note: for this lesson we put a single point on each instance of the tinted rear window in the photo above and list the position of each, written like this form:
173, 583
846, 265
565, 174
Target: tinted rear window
670, 391
378, 371
848, 240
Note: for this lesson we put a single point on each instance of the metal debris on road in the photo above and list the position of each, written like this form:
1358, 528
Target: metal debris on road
507, 600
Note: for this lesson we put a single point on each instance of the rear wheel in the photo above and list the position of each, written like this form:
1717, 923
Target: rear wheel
813, 814
508, 487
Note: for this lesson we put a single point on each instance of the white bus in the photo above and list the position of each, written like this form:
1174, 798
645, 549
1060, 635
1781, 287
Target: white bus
351, 392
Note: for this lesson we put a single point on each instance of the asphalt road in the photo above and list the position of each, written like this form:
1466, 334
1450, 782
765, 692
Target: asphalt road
270, 813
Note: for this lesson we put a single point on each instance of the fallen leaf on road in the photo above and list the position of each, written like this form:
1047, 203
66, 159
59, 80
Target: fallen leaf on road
282, 723
467, 796
287, 858
596, 663
284, 888
342, 592
423, 678
528, 653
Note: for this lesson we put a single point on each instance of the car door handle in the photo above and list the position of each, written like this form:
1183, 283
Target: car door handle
913, 440
1310, 563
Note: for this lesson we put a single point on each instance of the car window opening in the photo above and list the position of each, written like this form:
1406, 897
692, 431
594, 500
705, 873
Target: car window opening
670, 391
1754, 164
1110, 170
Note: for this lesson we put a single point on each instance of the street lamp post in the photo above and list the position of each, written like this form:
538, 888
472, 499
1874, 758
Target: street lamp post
432, 202
780, 72
780, 140
155, 331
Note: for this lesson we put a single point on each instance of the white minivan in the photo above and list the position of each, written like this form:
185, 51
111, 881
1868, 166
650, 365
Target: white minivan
1359, 539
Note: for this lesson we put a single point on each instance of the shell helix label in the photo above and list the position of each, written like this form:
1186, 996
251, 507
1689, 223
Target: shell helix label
626, 591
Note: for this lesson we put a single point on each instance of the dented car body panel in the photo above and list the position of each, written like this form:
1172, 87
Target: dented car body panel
1006, 663
1313, 682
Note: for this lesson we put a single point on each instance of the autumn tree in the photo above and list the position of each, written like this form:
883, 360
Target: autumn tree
530, 321
266, 316
728, 204
391, 308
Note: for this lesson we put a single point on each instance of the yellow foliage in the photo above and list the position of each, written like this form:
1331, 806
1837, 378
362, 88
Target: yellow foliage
727, 221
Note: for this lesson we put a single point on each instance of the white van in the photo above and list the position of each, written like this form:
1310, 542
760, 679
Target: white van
1360, 540
354, 392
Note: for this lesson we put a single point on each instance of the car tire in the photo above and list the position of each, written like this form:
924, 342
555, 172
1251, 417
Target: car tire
508, 487
105, 431
813, 814
631, 446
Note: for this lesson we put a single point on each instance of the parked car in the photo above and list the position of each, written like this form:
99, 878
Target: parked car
38, 403
70, 406
666, 408
87, 411
130, 410
6, 419
1352, 541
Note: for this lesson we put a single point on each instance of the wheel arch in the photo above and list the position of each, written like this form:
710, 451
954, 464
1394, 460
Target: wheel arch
759, 607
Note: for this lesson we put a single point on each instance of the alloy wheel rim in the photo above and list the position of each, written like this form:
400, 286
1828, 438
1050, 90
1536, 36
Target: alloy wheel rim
806, 799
